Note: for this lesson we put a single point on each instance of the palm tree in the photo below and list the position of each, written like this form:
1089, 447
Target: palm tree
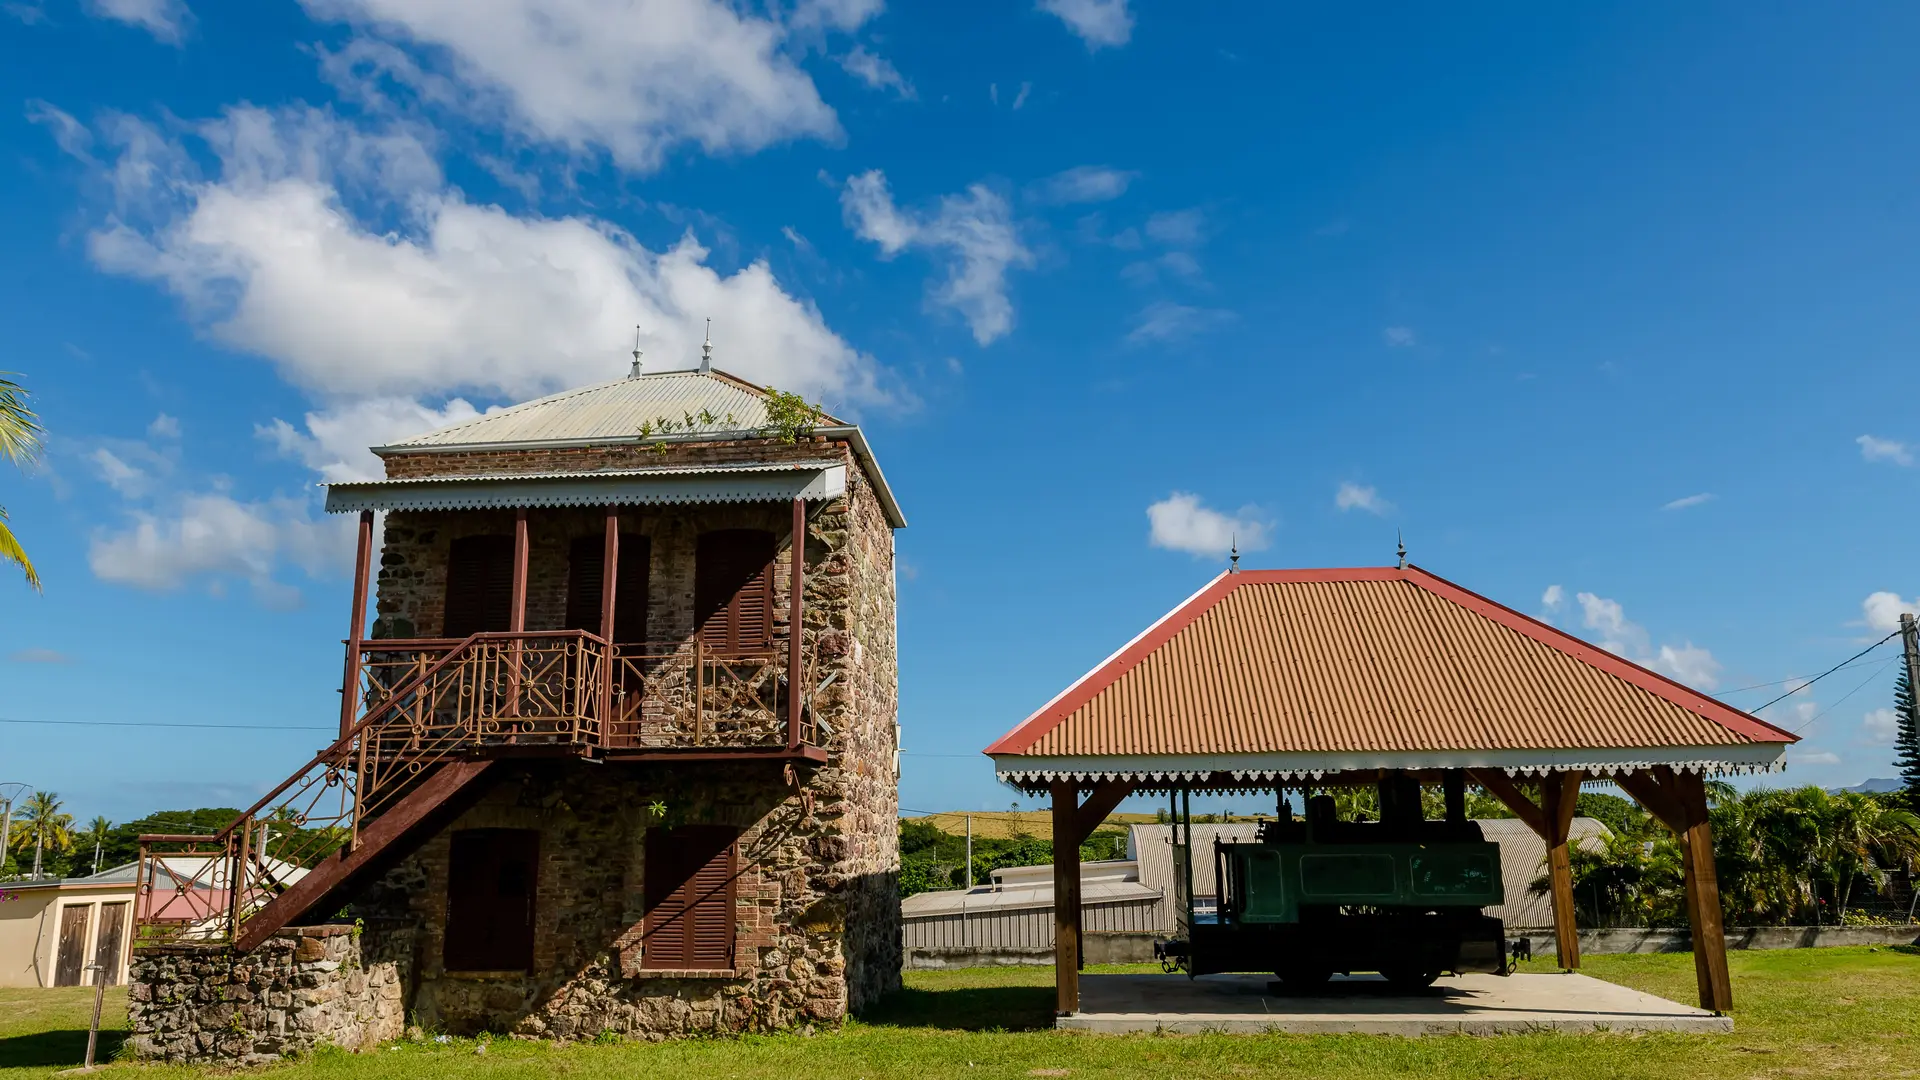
44, 825
98, 831
19, 443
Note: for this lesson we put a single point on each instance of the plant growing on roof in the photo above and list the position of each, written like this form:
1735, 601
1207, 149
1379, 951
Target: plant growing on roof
791, 416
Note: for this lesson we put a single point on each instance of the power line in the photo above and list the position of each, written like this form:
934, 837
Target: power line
142, 724
1829, 671
1776, 682
1878, 668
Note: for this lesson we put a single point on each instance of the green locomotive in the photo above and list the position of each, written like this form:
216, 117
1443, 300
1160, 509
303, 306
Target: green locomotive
1401, 896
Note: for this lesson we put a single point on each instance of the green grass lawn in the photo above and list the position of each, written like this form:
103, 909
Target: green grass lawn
1813, 1013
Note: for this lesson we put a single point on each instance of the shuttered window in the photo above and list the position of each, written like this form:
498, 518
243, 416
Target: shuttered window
733, 591
479, 586
491, 874
586, 570
690, 891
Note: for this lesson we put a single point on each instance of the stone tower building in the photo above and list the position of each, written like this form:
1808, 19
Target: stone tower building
618, 751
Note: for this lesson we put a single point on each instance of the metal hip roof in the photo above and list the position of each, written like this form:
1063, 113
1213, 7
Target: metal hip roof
1292, 673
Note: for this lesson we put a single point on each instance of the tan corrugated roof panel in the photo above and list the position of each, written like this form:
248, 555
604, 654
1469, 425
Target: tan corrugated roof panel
614, 410
1367, 660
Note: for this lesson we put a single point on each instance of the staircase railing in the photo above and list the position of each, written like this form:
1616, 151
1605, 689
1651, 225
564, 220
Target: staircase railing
487, 690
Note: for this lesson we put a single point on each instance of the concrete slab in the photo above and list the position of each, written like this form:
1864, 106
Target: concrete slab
1362, 1004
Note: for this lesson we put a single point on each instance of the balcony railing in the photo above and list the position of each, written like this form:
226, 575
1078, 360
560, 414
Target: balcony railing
427, 701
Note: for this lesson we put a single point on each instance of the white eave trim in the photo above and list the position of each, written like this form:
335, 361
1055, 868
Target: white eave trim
657, 487
1255, 770
850, 432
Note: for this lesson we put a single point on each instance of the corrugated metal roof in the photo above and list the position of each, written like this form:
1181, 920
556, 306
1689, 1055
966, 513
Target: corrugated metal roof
986, 898
616, 412
1366, 660
611, 410
1523, 857
613, 487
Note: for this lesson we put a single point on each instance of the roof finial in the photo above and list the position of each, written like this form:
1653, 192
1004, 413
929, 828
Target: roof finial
706, 351
634, 373
1234, 554
1403, 548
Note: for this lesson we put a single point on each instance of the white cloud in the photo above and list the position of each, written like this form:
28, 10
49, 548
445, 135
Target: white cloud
1163, 322
69, 134
1875, 449
336, 440
1883, 610
1553, 598
212, 535
1399, 337
1813, 757
118, 474
1178, 228
269, 259
1360, 497
1180, 522
40, 656
166, 20
1099, 23
975, 230
1689, 500
633, 77
876, 71
1881, 726
164, 427
1685, 662
1020, 99
1083, 183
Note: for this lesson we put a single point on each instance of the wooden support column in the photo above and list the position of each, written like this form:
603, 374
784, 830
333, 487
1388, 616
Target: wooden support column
357, 629
517, 616
1552, 821
609, 576
1073, 822
1560, 791
1066, 901
796, 586
1679, 800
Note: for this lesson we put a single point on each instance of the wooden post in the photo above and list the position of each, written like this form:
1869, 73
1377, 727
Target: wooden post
1066, 900
517, 618
796, 585
1559, 791
609, 575
357, 630
1679, 800
1703, 895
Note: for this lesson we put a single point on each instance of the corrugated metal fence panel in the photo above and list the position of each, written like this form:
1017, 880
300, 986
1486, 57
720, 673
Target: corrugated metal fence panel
1027, 928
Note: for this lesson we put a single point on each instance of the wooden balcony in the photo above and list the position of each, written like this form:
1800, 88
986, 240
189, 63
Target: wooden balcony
434, 714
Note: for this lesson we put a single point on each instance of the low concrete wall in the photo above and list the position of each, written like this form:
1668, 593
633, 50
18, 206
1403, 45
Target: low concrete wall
1645, 940
1094, 949
302, 987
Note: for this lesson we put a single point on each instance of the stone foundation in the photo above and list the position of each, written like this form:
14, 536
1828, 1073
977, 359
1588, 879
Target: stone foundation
302, 988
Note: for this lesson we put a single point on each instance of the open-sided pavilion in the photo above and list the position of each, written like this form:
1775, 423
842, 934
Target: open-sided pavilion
1312, 679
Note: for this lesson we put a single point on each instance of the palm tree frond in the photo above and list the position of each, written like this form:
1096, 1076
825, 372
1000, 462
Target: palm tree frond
12, 552
20, 429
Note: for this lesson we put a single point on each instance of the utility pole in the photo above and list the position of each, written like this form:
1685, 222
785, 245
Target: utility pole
1910, 639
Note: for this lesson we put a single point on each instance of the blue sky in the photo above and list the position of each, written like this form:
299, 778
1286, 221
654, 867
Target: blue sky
1609, 309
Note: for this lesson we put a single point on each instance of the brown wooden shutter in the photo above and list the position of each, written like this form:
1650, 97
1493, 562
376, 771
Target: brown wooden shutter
111, 939
73, 944
586, 569
491, 879
733, 590
479, 586
690, 892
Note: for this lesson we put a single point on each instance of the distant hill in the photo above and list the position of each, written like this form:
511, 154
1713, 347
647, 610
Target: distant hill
1879, 785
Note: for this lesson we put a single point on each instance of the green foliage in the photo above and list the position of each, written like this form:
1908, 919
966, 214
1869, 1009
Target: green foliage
791, 416
1623, 817
1906, 738
932, 858
20, 437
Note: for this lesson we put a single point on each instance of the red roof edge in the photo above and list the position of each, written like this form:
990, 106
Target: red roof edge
1110, 670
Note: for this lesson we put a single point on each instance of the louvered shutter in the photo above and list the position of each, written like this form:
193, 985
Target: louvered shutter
690, 891
586, 569
491, 879
733, 591
479, 585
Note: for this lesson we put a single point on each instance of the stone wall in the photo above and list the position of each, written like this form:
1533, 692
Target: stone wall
587, 977
303, 987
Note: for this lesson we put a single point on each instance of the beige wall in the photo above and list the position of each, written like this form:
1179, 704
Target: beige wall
30, 932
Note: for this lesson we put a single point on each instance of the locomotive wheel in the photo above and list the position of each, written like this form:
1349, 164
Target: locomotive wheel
1406, 980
